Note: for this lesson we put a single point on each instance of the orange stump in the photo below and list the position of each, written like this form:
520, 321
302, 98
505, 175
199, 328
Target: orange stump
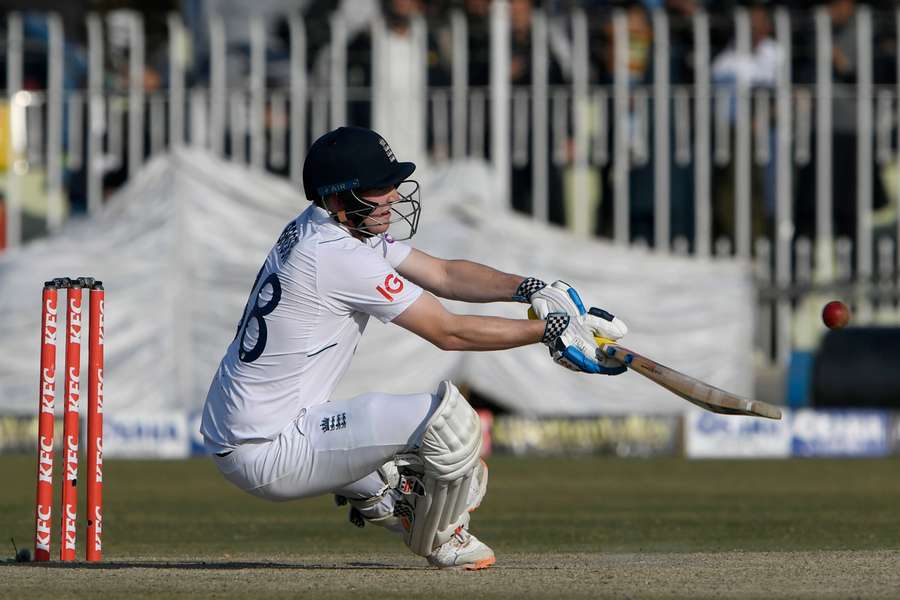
94, 545
71, 424
46, 403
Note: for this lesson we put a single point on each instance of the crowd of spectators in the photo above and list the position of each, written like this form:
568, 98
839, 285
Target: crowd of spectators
728, 66
758, 70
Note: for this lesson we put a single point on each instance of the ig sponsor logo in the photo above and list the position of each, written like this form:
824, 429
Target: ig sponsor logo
392, 285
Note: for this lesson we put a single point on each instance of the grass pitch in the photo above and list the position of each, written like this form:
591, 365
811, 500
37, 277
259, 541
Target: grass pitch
582, 528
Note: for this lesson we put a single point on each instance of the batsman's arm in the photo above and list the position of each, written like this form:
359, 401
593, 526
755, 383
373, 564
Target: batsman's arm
459, 279
427, 318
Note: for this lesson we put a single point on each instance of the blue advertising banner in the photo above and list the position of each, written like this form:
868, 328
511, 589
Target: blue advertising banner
156, 435
851, 433
711, 435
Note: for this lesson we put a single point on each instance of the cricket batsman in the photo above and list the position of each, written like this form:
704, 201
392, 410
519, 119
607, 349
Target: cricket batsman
410, 463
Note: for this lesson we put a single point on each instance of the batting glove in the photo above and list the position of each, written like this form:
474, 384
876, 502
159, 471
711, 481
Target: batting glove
559, 296
572, 345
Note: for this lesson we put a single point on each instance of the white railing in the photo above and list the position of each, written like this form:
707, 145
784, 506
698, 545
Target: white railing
690, 126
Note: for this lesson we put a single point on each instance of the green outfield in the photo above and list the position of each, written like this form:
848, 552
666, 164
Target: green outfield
561, 528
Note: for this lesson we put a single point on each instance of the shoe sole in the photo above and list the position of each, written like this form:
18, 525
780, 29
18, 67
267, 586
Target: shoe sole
478, 565
482, 488
481, 564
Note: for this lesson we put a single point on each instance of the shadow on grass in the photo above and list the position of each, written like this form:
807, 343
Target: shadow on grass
217, 566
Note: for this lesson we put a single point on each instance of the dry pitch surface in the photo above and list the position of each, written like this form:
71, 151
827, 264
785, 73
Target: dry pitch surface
823, 574
589, 528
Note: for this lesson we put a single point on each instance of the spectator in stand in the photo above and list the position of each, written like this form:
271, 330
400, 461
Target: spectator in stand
400, 96
640, 73
681, 38
843, 145
521, 73
478, 13
759, 69
396, 110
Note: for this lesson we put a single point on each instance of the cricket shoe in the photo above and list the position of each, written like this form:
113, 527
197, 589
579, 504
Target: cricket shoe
463, 551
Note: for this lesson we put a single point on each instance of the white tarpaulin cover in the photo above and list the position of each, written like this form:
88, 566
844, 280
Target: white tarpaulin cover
178, 249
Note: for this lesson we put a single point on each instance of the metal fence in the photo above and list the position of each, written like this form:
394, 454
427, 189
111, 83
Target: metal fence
579, 127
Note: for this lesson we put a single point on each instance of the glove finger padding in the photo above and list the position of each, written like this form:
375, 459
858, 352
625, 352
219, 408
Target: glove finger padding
559, 296
572, 346
605, 324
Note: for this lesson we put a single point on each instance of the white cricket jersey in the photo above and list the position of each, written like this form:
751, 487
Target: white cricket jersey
306, 313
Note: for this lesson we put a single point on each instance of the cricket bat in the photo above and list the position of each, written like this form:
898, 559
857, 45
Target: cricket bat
693, 390
704, 395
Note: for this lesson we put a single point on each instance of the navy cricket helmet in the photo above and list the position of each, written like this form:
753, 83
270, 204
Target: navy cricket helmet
350, 159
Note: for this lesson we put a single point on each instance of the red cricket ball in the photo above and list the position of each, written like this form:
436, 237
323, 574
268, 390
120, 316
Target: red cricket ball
835, 314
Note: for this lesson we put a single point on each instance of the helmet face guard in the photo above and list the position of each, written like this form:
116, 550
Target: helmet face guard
350, 159
405, 209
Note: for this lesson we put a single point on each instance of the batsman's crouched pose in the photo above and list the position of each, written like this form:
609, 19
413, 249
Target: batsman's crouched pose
409, 463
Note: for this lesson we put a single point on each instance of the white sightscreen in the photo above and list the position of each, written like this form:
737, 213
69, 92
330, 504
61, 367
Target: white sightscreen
178, 249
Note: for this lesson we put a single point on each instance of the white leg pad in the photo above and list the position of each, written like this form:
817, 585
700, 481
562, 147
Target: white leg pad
450, 451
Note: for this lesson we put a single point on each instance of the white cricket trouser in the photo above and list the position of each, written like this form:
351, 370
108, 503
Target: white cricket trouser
334, 447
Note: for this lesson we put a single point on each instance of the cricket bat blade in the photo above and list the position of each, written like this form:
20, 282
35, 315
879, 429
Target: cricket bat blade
693, 390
